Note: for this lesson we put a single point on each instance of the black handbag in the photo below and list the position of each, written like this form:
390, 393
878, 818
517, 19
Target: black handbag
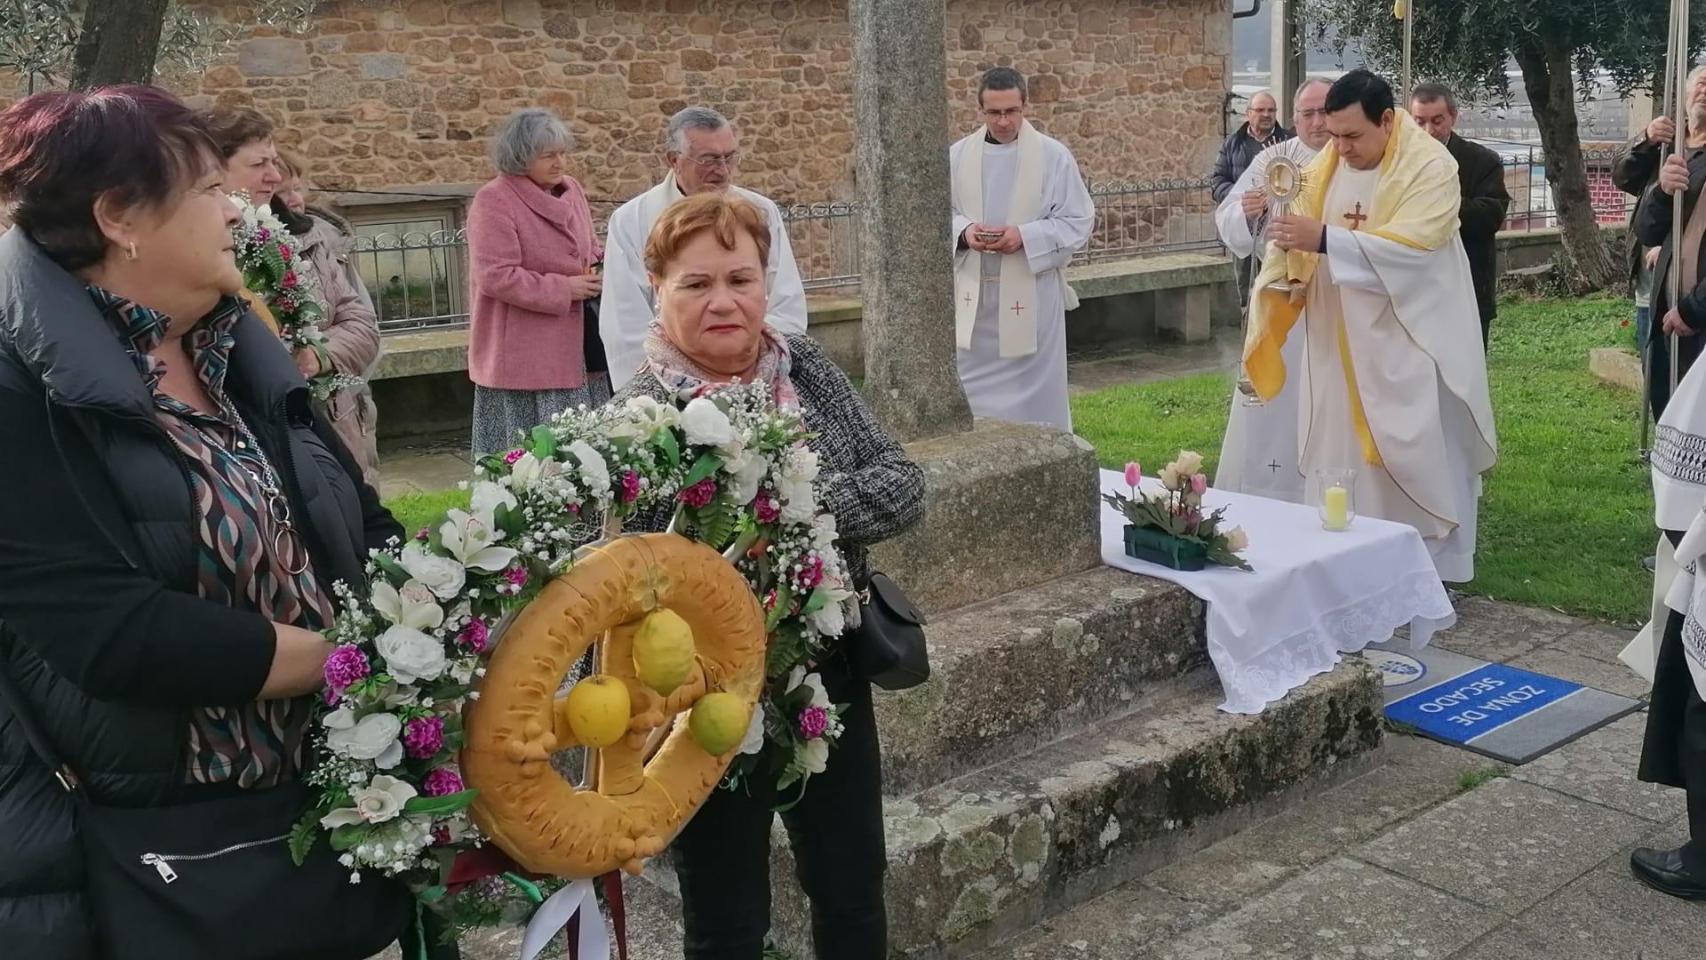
214, 878
887, 648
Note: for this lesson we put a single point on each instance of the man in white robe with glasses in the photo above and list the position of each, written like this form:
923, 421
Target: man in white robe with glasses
700, 150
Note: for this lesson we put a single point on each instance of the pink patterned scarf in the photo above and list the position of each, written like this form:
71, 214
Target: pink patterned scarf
686, 379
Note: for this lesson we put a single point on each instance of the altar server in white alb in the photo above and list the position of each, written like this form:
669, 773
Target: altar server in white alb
1396, 380
1021, 211
700, 149
1258, 454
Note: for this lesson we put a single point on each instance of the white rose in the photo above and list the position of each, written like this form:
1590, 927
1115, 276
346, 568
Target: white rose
814, 755
594, 470
442, 575
411, 655
1170, 477
746, 475
373, 737
379, 801
798, 504
1189, 463
800, 465
1237, 540
706, 424
831, 621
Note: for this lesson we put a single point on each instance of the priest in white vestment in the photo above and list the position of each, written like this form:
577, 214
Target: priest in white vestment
702, 155
1383, 300
1021, 212
1258, 454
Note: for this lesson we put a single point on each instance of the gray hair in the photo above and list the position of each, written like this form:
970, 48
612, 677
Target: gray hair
1262, 93
524, 135
691, 118
1303, 87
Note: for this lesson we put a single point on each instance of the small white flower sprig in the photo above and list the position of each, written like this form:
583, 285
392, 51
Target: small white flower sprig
732, 470
273, 269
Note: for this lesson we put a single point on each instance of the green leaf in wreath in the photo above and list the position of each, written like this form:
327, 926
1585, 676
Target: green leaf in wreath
440, 806
393, 570
665, 440
707, 464
544, 445
817, 601
304, 835
350, 835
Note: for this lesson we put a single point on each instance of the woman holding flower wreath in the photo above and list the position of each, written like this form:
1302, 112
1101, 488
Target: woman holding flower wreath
706, 258
172, 519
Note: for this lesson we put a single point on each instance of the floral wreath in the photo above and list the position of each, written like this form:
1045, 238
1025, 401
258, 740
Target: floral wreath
274, 271
737, 474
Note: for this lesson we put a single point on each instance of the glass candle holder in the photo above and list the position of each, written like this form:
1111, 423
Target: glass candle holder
1335, 498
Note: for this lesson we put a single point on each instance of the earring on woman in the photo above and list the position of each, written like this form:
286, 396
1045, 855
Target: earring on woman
130, 251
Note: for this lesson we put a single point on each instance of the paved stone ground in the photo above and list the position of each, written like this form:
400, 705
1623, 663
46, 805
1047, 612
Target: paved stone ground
1415, 860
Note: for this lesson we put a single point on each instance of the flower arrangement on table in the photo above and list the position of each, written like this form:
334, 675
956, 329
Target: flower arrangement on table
412, 643
274, 271
1170, 527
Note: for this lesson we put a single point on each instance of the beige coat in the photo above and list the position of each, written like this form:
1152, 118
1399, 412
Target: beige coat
352, 333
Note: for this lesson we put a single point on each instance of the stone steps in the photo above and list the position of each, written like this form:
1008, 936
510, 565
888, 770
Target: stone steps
992, 852
1023, 669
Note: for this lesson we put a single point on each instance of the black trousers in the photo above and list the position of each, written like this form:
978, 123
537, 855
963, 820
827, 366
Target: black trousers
1674, 750
836, 831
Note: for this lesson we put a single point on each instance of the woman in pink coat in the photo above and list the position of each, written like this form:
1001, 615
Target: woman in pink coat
531, 249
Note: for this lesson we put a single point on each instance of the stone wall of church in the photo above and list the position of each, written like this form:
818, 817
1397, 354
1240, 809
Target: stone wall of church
387, 93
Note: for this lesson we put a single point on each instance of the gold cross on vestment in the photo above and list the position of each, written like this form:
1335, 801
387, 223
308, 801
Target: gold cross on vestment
1356, 219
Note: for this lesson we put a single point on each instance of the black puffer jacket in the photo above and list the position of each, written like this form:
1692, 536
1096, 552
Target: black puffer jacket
99, 625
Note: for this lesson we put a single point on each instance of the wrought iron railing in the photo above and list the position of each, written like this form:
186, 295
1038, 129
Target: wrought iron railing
419, 280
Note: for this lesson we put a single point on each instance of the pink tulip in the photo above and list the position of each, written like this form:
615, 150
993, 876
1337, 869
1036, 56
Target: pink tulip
1199, 484
1133, 474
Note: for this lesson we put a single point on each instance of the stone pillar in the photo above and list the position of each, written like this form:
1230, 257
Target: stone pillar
1286, 55
901, 106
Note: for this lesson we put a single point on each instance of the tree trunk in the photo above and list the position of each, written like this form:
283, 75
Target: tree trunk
119, 42
1549, 76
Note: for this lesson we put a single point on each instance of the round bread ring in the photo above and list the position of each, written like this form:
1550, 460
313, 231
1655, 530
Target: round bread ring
543, 822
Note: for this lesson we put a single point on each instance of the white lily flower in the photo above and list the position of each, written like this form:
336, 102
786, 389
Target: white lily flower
594, 470
413, 606
381, 800
471, 537
529, 470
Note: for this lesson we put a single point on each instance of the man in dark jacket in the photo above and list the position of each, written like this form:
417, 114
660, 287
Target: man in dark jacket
1640, 164
1634, 171
1260, 130
1481, 175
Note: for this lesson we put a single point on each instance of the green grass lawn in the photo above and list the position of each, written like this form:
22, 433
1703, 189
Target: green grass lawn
1567, 513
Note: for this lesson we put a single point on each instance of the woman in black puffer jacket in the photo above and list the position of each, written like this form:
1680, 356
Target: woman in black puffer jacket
172, 521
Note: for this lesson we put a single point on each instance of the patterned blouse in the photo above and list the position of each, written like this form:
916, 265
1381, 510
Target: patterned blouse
249, 556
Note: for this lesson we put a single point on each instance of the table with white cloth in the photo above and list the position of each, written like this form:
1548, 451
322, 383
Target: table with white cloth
1313, 595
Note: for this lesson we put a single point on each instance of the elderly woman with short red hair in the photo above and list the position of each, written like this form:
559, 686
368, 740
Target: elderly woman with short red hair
706, 257
173, 517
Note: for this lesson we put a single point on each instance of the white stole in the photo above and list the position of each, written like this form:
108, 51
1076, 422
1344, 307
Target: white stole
1017, 323
652, 205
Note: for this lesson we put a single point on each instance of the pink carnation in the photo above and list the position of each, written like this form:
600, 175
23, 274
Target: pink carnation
345, 667
514, 455
441, 783
423, 737
289, 280
630, 487
517, 576
423, 534
263, 234
476, 636
813, 722
769, 511
812, 575
700, 493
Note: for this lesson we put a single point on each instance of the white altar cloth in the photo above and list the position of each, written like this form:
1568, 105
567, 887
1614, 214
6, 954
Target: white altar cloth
1313, 596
